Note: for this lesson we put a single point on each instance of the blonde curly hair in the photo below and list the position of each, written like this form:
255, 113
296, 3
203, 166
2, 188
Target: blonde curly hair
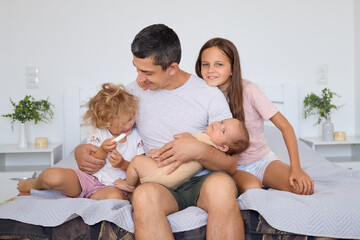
110, 102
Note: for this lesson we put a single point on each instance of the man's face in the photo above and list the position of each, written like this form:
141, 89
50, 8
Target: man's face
151, 76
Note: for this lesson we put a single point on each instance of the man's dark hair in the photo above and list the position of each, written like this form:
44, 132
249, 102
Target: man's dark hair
157, 41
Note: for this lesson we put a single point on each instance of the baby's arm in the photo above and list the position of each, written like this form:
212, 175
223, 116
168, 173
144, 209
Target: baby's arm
107, 146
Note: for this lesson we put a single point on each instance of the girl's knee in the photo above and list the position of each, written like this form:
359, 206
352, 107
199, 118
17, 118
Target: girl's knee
51, 176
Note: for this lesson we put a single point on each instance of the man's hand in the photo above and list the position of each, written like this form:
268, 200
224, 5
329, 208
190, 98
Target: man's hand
183, 149
85, 161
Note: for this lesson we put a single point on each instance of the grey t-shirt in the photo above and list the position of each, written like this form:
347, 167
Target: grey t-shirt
189, 108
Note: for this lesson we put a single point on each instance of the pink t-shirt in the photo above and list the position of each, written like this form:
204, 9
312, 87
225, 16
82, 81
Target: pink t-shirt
257, 108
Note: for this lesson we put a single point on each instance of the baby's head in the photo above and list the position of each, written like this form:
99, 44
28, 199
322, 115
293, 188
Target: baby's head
112, 107
230, 135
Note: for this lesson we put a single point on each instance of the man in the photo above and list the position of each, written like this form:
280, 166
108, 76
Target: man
177, 102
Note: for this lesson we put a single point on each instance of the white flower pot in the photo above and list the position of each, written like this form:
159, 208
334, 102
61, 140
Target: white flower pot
22, 136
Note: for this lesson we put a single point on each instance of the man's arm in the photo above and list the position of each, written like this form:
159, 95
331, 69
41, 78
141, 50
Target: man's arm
85, 161
187, 148
216, 160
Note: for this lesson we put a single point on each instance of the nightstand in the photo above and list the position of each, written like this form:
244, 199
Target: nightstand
343, 153
18, 162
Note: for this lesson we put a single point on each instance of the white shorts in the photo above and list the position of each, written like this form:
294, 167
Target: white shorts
258, 168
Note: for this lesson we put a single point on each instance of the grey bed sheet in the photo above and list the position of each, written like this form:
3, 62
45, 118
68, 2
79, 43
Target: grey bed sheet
332, 211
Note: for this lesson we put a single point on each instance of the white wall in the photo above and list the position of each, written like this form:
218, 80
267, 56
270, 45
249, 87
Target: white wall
87, 42
357, 67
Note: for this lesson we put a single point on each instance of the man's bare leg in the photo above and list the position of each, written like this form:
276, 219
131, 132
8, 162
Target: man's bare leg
218, 197
152, 203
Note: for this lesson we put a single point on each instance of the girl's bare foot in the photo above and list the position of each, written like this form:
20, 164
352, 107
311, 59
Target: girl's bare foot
25, 186
122, 185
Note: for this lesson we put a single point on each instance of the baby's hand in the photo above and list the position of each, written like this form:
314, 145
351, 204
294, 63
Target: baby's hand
108, 145
154, 153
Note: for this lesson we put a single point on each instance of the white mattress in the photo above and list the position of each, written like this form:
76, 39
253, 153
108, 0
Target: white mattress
332, 211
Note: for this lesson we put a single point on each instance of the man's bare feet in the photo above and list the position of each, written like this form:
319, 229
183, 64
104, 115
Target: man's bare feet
122, 185
25, 186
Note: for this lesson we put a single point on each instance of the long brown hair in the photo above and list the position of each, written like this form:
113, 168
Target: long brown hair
235, 89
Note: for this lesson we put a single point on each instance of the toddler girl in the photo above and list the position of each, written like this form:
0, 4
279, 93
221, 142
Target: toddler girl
111, 112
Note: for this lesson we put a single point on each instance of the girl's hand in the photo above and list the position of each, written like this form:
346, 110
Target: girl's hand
108, 145
302, 182
116, 159
117, 181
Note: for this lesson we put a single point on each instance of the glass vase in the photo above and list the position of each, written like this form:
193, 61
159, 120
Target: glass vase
327, 131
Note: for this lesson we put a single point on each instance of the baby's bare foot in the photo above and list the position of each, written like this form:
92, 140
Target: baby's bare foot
25, 186
122, 185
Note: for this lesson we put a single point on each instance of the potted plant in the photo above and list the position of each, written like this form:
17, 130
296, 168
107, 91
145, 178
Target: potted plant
28, 109
321, 106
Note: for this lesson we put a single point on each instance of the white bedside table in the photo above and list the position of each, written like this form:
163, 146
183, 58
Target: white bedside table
18, 162
343, 153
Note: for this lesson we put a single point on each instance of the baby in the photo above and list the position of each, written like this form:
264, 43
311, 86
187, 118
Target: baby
229, 136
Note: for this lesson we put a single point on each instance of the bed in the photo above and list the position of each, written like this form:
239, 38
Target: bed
333, 211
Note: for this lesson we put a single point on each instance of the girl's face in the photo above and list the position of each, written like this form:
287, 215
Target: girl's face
122, 124
215, 68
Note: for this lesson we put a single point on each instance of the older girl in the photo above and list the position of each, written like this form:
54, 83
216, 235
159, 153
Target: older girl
218, 64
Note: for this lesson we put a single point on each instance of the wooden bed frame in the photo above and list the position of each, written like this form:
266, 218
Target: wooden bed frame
284, 96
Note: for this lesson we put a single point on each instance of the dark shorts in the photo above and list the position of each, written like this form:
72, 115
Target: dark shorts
188, 193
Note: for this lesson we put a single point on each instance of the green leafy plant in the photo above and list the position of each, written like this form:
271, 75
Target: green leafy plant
320, 105
30, 110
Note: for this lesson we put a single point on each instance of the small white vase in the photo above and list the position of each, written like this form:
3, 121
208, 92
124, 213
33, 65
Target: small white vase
327, 131
22, 136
